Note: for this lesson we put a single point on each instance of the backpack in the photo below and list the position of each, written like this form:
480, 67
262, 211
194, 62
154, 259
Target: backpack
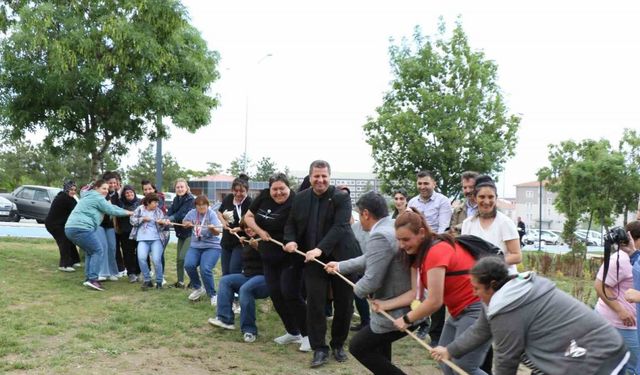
477, 247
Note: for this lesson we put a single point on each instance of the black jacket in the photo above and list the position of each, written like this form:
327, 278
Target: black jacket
251, 262
178, 210
337, 240
60, 210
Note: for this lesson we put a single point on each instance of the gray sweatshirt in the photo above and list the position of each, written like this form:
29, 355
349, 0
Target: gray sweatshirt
385, 274
559, 334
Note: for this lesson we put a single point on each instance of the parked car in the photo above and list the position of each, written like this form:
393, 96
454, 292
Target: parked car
168, 198
547, 236
581, 236
32, 201
8, 210
594, 236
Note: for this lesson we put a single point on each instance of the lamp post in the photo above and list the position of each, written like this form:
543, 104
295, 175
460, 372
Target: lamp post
246, 115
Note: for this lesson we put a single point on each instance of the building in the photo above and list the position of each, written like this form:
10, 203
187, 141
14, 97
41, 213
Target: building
217, 186
528, 201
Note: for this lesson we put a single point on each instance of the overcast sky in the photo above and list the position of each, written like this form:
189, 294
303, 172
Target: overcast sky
569, 68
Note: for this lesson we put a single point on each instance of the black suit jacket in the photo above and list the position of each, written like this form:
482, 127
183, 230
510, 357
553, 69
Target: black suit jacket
337, 240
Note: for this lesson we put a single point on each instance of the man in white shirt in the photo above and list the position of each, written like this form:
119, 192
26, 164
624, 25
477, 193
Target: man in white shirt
434, 206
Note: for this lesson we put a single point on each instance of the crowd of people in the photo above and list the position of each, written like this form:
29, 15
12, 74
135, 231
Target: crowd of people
407, 271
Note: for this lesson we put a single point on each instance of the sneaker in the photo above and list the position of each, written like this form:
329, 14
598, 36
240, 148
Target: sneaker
93, 284
77, 265
113, 278
178, 285
146, 285
164, 281
159, 286
67, 269
141, 278
133, 278
288, 338
196, 294
122, 273
219, 323
214, 300
236, 307
102, 278
305, 346
249, 337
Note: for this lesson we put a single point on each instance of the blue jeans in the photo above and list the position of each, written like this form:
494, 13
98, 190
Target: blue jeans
630, 337
231, 260
156, 249
108, 266
249, 289
454, 328
206, 259
89, 241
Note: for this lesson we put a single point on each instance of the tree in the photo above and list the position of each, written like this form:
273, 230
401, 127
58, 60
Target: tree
213, 168
97, 75
145, 169
241, 164
264, 169
444, 113
591, 181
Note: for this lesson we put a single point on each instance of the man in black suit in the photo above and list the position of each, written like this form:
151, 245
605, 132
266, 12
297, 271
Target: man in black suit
318, 224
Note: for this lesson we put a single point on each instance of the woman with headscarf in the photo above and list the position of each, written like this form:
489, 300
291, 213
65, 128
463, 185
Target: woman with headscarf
59, 212
129, 201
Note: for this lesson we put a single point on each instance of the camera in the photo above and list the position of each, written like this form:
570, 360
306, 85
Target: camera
616, 235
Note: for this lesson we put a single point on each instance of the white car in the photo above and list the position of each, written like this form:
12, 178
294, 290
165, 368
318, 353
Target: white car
546, 236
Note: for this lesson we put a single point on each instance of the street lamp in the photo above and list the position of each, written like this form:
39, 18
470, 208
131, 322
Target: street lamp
246, 115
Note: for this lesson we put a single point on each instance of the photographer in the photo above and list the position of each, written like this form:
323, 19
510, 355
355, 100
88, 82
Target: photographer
613, 280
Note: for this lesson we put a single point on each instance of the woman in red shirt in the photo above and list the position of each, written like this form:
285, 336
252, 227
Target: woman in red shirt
433, 258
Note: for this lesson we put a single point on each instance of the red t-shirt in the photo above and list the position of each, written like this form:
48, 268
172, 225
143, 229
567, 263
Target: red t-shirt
458, 292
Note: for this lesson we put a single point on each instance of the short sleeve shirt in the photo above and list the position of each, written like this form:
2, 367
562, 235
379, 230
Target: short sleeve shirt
271, 217
619, 279
229, 241
458, 292
501, 230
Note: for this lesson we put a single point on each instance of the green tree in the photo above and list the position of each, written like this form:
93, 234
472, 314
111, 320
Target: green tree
241, 164
629, 146
444, 113
213, 168
97, 75
264, 169
145, 169
590, 179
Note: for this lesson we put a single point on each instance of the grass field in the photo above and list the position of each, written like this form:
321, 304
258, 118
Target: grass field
51, 324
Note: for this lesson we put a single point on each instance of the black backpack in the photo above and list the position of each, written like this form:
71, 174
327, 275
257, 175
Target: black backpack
477, 247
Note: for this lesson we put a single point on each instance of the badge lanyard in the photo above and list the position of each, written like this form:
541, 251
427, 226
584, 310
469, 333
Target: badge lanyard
199, 224
416, 302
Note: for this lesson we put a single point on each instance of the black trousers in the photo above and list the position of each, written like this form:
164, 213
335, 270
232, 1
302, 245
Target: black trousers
373, 350
68, 251
119, 251
284, 280
317, 281
437, 324
129, 254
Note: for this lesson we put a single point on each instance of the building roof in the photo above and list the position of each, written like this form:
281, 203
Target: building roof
217, 177
531, 184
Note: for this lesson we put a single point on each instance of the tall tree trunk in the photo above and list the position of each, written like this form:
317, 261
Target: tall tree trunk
586, 239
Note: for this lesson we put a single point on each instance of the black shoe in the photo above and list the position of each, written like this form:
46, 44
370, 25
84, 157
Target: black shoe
339, 354
320, 357
159, 285
147, 284
178, 285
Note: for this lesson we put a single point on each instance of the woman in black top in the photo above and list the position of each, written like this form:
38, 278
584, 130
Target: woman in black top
233, 205
59, 212
282, 271
129, 201
181, 205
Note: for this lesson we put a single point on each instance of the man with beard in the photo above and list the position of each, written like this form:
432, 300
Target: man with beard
468, 207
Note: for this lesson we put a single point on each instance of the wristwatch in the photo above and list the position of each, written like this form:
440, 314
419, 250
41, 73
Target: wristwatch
405, 318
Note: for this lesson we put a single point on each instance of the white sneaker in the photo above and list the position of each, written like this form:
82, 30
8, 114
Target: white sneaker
196, 294
288, 338
249, 337
67, 269
122, 273
305, 346
113, 278
236, 308
102, 278
214, 300
77, 265
164, 281
219, 323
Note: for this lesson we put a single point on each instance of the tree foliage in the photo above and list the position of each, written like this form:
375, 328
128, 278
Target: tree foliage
241, 164
97, 75
444, 113
592, 180
145, 169
264, 169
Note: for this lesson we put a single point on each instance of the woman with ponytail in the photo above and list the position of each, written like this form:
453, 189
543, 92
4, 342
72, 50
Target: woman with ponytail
530, 320
434, 258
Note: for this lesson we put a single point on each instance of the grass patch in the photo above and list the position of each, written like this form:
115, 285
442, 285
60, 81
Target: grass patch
51, 324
